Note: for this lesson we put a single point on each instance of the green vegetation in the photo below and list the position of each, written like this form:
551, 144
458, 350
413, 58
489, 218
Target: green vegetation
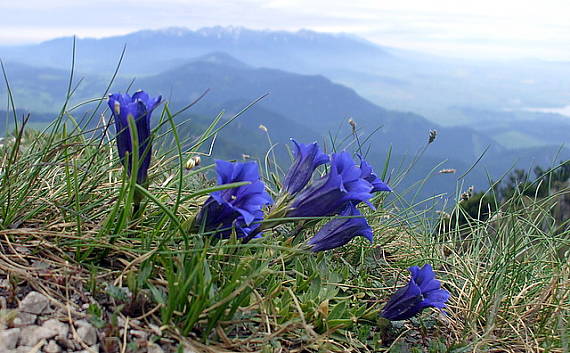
65, 198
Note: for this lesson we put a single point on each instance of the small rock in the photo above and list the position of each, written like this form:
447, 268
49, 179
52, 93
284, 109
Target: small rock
66, 343
155, 329
139, 334
9, 339
34, 303
88, 334
31, 335
24, 319
52, 347
82, 323
154, 348
57, 326
120, 321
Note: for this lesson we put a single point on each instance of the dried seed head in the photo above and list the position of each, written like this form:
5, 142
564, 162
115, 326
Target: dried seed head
432, 136
352, 124
263, 128
194, 161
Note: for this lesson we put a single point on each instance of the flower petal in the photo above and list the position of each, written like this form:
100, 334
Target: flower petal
404, 303
307, 159
340, 231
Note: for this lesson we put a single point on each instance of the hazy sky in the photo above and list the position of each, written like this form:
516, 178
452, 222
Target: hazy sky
481, 28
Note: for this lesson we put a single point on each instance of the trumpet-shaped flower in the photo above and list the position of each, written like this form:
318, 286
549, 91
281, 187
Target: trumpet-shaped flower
421, 292
340, 231
307, 158
240, 207
140, 107
368, 174
330, 194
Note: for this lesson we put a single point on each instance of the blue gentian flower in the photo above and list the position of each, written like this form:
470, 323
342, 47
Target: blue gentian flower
140, 106
340, 231
423, 291
368, 174
239, 208
330, 194
307, 159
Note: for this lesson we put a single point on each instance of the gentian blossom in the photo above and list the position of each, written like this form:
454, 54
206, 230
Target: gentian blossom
340, 231
307, 158
421, 292
240, 207
330, 194
368, 174
140, 107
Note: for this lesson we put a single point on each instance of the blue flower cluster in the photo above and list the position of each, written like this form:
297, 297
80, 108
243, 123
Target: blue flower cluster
337, 193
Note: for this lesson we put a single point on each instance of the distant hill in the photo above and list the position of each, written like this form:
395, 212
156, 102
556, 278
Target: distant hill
518, 129
393, 78
43, 90
151, 51
307, 107
313, 101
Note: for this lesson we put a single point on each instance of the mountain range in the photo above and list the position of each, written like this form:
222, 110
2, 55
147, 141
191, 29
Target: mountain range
393, 78
295, 70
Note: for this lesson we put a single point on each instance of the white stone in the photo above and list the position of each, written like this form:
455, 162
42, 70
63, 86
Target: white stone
61, 328
88, 334
139, 334
52, 347
22, 349
155, 329
24, 319
81, 323
31, 335
34, 303
9, 339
